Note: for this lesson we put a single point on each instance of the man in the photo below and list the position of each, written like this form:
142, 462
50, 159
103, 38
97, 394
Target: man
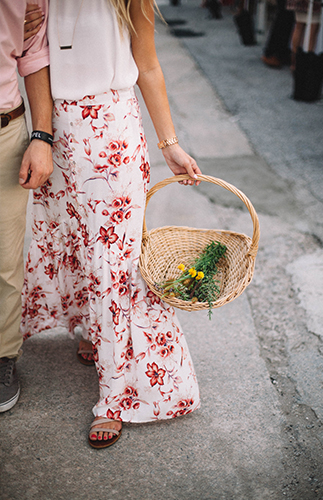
23, 166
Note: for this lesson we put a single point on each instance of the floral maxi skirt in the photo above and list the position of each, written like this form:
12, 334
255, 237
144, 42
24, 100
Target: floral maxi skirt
82, 266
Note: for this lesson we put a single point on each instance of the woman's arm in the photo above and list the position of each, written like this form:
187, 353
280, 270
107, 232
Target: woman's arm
152, 86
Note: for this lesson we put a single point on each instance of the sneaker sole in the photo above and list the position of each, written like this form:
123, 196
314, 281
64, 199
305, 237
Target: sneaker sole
9, 404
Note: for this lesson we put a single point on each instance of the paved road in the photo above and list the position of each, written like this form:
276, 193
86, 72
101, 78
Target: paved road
258, 434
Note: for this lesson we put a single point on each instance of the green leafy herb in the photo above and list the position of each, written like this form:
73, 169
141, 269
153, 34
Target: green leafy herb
197, 283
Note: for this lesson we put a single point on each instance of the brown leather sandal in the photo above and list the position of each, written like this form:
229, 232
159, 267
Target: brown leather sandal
103, 443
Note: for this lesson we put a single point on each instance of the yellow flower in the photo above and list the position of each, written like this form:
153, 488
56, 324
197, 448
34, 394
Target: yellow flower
181, 267
192, 272
200, 275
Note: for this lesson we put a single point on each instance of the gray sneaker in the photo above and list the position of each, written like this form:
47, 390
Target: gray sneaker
9, 384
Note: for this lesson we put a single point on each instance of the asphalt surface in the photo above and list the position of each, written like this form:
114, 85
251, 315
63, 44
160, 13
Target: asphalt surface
258, 434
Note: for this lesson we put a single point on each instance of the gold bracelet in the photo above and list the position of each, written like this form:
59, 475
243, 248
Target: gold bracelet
167, 142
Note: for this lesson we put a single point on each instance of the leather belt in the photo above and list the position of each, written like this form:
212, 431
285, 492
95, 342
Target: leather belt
15, 113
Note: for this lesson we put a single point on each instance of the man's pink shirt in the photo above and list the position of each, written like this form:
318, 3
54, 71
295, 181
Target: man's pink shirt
28, 57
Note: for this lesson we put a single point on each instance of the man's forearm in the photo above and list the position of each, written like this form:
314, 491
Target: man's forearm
37, 163
40, 100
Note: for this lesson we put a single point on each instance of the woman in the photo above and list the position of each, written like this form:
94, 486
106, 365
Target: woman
82, 267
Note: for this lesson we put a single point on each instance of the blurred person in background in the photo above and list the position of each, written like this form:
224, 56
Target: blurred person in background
277, 50
300, 7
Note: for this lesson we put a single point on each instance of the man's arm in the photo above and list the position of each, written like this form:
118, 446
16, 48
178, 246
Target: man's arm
37, 163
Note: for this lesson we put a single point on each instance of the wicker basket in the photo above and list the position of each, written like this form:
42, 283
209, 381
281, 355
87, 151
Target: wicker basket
164, 248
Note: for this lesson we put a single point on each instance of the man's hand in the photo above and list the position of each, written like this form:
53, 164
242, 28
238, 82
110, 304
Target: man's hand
37, 165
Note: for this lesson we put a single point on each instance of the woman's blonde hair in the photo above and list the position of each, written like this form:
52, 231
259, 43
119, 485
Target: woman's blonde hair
122, 8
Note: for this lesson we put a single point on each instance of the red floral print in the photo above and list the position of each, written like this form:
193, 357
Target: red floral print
117, 217
115, 159
114, 146
156, 374
144, 167
91, 111
153, 298
50, 270
107, 236
118, 202
115, 312
87, 147
114, 415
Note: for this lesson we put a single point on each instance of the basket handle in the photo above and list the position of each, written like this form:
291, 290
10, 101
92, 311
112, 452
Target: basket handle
213, 180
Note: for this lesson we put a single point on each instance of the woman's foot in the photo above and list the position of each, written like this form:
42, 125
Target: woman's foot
114, 424
85, 353
102, 438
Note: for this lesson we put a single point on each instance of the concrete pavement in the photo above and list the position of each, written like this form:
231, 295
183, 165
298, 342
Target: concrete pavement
258, 433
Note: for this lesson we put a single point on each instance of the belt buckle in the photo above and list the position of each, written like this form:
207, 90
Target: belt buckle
5, 119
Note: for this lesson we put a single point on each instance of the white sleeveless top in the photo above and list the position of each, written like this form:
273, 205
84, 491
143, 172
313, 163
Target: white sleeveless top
100, 59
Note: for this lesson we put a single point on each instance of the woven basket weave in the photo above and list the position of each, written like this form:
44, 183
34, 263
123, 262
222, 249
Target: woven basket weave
164, 248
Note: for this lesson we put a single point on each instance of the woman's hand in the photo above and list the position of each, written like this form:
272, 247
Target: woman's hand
33, 20
181, 163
